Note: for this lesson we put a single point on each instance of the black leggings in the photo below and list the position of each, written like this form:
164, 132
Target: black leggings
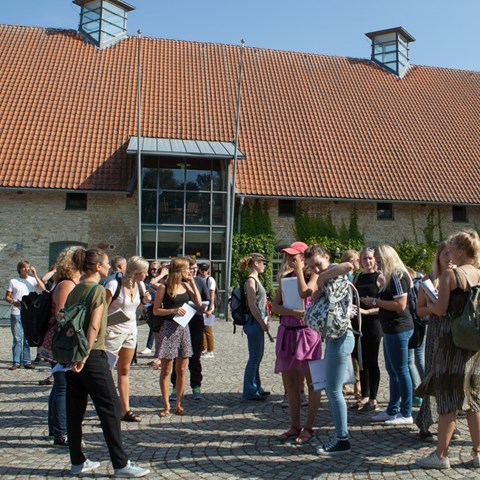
370, 375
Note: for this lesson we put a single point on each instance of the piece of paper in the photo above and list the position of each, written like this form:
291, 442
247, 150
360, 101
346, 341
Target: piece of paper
430, 291
209, 321
116, 317
318, 372
58, 367
183, 320
290, 297
112, 359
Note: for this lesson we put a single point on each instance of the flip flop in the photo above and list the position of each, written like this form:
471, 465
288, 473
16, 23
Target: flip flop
164, 414
306, 436
290, 433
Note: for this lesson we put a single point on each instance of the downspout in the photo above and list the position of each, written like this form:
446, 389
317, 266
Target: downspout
239, 219
139, 149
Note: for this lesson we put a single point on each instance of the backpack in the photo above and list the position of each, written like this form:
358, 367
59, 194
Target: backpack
329, 315
70, 343
115, 276
419, 323
36, 312
466, 326
238, 305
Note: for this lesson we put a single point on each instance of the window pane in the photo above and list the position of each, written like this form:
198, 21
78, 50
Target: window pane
149, 177
198, 208
384, 211
169, 243
171, 179
148, 243
459, 213
218, 243
219, 209
197, 242
220, 176
149, 207
170, 207
198, 179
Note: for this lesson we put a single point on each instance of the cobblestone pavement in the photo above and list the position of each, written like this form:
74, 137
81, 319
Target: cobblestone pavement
220, 437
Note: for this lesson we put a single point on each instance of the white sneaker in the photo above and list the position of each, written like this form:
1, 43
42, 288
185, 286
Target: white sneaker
208, 355
86, 466
146, 351
382, 417
399, 419
476, 458
131, 470
432, 461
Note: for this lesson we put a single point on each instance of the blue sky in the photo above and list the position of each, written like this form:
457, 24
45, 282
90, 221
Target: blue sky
446, 31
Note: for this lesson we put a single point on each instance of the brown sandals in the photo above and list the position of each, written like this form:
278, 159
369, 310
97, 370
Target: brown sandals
131, 417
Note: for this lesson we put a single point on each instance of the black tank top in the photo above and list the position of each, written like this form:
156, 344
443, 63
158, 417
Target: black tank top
174, 302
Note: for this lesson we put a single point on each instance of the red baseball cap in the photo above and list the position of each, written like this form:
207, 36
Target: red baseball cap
295, 248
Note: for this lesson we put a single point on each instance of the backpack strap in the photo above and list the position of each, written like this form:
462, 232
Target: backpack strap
359, 319
118, 278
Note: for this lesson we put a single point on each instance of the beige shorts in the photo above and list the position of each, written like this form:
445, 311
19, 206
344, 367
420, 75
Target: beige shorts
114, 341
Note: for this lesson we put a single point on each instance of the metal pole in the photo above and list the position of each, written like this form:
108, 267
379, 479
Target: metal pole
139, 149
228, 276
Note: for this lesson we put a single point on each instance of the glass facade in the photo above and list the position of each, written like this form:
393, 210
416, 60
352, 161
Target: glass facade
184, 210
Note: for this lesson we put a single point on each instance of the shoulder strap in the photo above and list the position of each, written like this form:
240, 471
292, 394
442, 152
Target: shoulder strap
118, 278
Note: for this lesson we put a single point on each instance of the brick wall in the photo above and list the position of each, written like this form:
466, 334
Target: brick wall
30, 221
409, 220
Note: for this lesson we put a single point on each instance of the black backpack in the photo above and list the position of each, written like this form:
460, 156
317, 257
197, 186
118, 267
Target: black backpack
36, 312
419, 323
238, 305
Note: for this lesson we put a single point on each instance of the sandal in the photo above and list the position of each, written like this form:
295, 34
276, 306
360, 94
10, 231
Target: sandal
164, 414
131, 417
180, 411
306, 436
291, 432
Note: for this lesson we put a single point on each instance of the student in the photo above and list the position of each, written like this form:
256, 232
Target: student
209, 281
92, 377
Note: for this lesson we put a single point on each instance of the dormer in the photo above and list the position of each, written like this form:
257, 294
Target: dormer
390, 49
103, 22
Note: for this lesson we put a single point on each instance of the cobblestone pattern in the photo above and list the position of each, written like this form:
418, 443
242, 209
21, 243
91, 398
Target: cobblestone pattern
221, 437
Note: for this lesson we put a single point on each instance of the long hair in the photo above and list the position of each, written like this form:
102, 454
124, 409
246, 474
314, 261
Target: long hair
391, 263
64, 265
86, 260
249, 260
135, 265
175, 276
468, 241
436, 268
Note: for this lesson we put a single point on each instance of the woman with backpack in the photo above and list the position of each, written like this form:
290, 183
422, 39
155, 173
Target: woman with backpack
297, 344
256, 326
339, 340
65, 277
127, 294
454, 379
175, 340
397, 327
91, 376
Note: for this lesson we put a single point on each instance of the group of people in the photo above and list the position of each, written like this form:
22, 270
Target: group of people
449, 377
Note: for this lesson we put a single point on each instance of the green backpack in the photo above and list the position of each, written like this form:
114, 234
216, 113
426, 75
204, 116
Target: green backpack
70, 343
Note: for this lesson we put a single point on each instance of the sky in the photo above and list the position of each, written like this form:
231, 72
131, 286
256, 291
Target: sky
446, 31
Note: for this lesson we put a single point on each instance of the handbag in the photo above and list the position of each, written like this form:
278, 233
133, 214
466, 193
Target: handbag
466, 326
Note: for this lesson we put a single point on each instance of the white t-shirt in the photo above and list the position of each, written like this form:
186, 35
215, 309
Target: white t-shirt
210, 283
124, 303
19, 288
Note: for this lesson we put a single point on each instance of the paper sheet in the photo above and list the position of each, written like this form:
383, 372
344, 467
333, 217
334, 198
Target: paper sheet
116, 317
319, 373
112, 359
183, 320
429, 289
290, 296
209, 321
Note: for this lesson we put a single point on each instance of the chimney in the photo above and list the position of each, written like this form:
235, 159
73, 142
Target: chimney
390, 49
103, 22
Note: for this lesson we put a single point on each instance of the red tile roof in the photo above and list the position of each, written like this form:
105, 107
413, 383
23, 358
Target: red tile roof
311, 125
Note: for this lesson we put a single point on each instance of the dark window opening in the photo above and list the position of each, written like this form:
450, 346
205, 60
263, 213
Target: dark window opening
384, 211
459, 213
287, 208
76, 201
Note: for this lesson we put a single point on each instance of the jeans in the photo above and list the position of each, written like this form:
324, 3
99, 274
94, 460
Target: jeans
95, 380
416, 363
395, 351
20, 347
337, 353
252, 387
57, 406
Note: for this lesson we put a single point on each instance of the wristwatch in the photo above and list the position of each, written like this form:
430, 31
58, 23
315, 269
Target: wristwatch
374, 302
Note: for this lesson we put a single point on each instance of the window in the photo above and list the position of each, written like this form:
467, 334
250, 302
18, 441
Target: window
384, 211
459, 213
76, 201
287, 208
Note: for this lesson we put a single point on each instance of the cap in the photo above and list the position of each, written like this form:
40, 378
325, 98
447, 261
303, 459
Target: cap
295, 248
258, 257
203, 266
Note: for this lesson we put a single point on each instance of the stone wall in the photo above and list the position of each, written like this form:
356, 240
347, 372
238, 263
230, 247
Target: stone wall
409, 220
31, 221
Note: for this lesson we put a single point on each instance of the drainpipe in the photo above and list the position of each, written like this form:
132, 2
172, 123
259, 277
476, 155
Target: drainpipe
239, 219
139, 150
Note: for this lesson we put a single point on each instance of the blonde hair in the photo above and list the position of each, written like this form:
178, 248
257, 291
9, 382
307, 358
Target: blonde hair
350, 256
391, 263
135, 265
174, 280
436, 268
468, 241
64, 265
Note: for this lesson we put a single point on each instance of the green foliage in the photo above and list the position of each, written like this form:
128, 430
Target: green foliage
432, 225
243, 245
354, 232
419, 256
255, 219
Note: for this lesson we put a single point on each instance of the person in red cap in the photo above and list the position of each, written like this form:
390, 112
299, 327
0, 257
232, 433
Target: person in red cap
297, 344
